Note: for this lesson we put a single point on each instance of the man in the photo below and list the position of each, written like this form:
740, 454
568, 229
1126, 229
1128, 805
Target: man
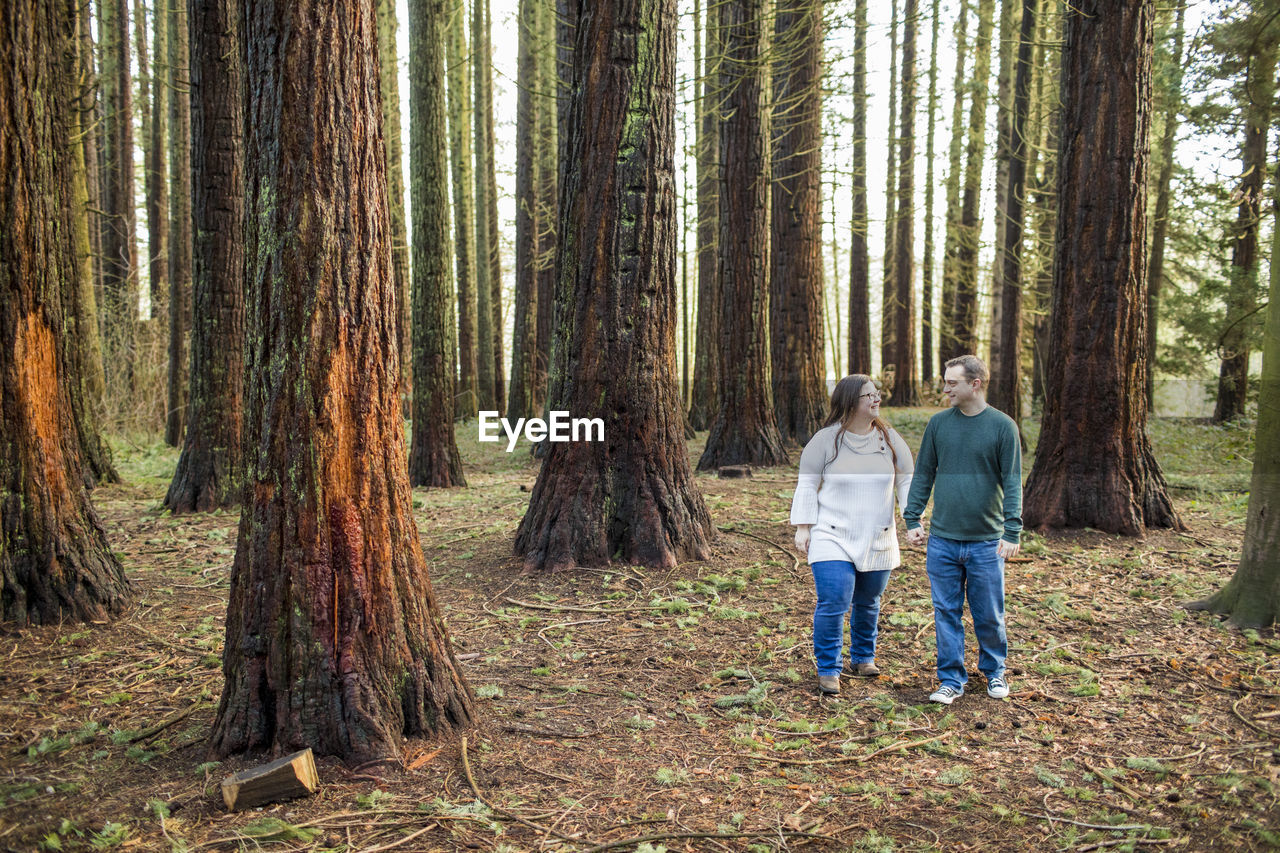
971, 459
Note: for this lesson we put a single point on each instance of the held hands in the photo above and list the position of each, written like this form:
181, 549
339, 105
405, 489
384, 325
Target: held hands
802, 538
1005, 549
916, 536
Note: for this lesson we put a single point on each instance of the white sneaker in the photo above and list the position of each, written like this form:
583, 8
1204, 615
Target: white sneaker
997, 688
945, 695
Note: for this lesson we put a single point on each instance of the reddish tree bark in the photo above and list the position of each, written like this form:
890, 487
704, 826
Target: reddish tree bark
334, 639
1094, 464
906, 389
859, 255
706, 369
55, 562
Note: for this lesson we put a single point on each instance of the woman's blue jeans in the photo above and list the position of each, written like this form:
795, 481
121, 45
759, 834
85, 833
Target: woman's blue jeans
839, 588
956, 568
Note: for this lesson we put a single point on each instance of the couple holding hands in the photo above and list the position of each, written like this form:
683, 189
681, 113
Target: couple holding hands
851, 473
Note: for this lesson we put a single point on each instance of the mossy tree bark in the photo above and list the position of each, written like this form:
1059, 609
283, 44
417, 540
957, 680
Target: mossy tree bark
928, 266
459, 83
523, 399
433, 454
948, 347
334, 639
906, 387
210, 469
55, 561
119, 248
1094, 464
547, 193
706, 368
1010, 15
631, 495
181, 245
153, 101
744, 430
491, 387
796, 285
887, 288
389, 68
859, 253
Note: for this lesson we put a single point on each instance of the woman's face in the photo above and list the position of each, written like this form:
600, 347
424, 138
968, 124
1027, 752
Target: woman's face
869, 400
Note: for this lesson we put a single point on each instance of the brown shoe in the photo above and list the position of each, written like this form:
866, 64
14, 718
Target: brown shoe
863, 670
829, 684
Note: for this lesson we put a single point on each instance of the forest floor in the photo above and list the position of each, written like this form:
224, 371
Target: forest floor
642, 710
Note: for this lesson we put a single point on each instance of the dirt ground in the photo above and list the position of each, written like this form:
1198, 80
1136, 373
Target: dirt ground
638, 710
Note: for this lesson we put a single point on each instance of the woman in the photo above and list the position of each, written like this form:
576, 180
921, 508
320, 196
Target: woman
843, 512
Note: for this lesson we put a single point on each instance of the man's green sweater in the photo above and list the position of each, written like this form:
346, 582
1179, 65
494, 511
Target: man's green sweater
973, 465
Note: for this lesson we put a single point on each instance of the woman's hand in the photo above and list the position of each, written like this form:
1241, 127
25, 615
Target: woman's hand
802, 538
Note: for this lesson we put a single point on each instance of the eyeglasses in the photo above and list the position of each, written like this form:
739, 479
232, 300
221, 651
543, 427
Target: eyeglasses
951, 383
875, 395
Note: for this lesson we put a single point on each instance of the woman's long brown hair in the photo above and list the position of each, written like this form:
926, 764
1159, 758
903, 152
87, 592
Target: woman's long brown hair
844, 401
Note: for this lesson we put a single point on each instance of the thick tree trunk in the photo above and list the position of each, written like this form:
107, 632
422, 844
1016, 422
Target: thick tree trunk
522, 402
488, 273
1233, 373
859, 254
55, 561
154, 105
433, 455
1094, 464
706, 373
948, 346
334, 639
180, 236
389, 84
906, 382
888, 312
1160, 221
927, 372
744, 430
210, 469
1006, 379
466, 400
119, 249
796, 285
631, 495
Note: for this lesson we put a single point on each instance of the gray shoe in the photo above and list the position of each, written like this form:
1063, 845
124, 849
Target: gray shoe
829, 684
997, 688
945, 695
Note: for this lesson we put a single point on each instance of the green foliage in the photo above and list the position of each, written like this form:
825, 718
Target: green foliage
489, 691
269, 829
1048, 777
373, 800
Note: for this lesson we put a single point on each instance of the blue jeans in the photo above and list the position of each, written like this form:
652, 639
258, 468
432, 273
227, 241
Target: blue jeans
954, 566
838, 586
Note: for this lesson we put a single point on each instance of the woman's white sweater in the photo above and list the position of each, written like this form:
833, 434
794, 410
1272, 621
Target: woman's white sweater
847, 493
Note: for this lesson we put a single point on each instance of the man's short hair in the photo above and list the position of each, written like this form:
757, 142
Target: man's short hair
974, 367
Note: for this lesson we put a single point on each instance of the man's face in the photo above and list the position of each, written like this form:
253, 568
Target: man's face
957, 387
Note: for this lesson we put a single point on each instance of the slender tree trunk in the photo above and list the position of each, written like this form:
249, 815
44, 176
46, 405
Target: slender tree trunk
334, 639
547, 190
888, 311
524, 344
859, 254
744, 429
1160, 222
433, 455
927, 371
488, 277
906, 380
1233, 374
55, 561
180, 236
389, 84
210, 469
467, 399
706, 374
632, 495
796, 283
1006, 384
153, 108
1046, 202
495, 256
1010, 14
119, 250
948, 346
90, 122
1111, 482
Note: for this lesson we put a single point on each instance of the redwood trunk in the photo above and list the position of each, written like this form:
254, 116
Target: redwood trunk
796, 286
522, 402
389, 65
209, 472
1094, 465
55, 561
466, 399
906, 383
947, 344
119, 248
181, 246
888, 287
744, 430
334, 640
631, 495
859, 254
706, 371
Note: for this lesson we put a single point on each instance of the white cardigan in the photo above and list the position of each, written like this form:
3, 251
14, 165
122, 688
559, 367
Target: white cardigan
847, 494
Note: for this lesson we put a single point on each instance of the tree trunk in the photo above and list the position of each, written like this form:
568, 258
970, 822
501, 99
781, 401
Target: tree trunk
927, 372
1160, 222
467, 399
1233, 374
55, 562
495, 254
888, 312
210, 469
119, 250
524, 344
1006, 381
744, 430
154, 101
859, 255
948, 346
488, 275
334, 640
706, 373
389, 84
796, 283
969, 234
1111, 481
1252, 596
906, 382
1009, 16
90, 122
547, 191
180, 236
1046, 202
433, 455
631, 495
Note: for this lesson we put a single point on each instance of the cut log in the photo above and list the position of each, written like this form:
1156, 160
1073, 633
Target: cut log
285, 778
733, 472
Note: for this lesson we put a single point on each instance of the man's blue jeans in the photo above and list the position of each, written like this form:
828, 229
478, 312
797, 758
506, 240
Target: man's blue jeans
953, 568
838, 586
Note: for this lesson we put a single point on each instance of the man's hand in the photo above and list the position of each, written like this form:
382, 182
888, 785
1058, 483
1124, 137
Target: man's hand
917, 536
802, 538
1006, 549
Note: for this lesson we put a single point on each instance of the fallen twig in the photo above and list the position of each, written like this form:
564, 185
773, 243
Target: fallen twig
400, 841
147, 734
1115, 842
574, 609
795, 561
845, 759
1051, 818
1115, 783
466, 767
